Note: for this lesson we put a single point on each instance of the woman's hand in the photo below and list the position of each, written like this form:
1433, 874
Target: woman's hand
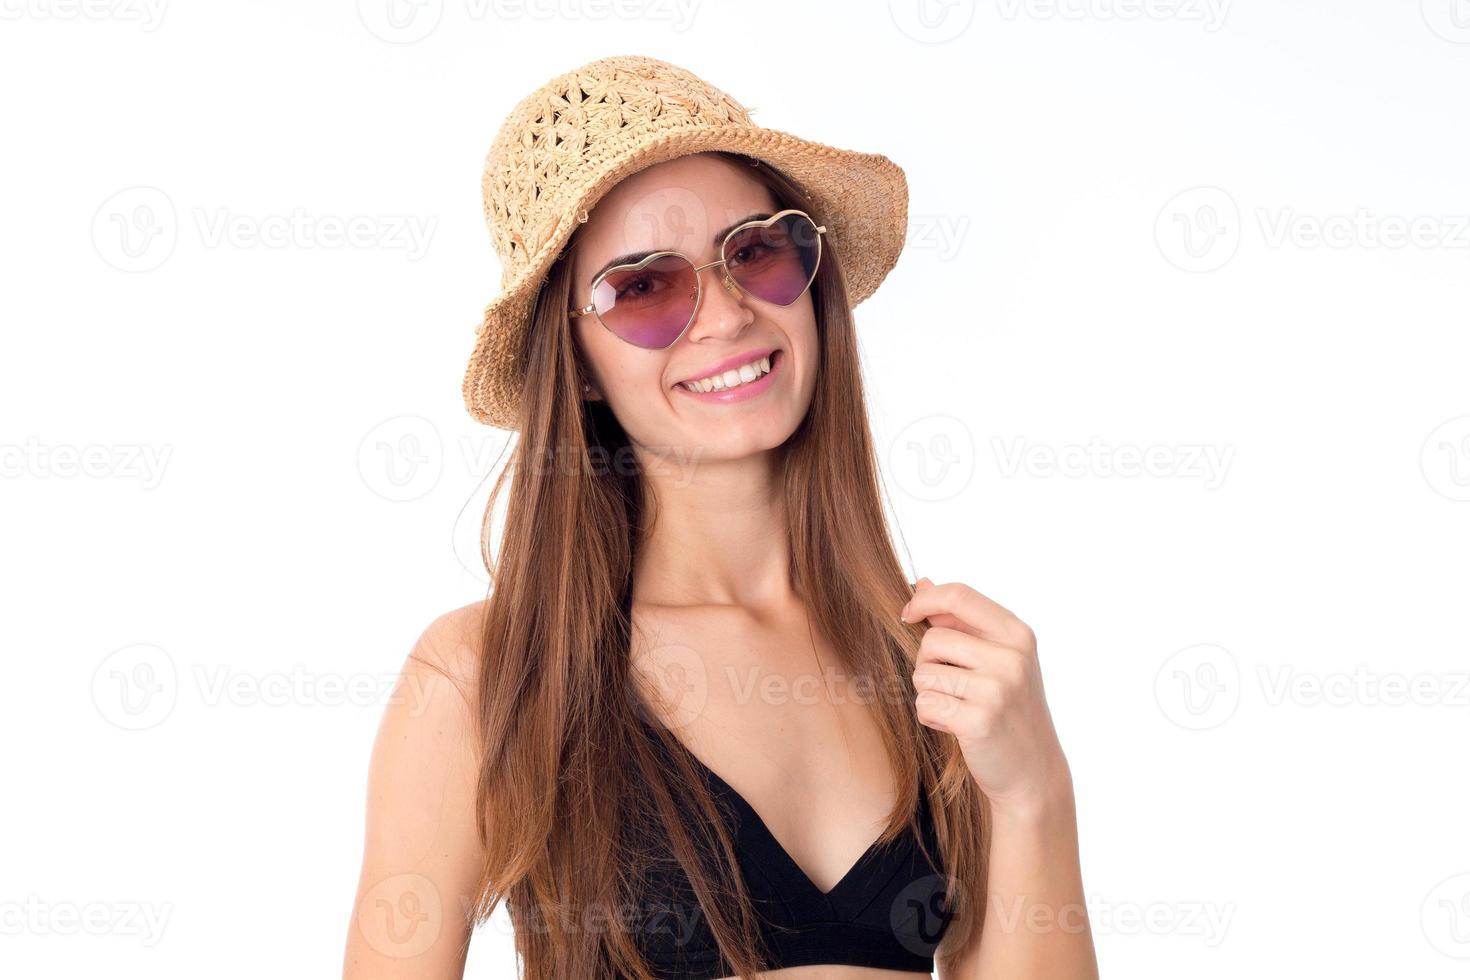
978, 679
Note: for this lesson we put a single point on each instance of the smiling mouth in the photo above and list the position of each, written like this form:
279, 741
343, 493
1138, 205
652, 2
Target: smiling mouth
733, 378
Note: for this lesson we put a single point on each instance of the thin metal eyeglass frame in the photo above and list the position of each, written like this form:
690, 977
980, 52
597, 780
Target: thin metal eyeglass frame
729, 283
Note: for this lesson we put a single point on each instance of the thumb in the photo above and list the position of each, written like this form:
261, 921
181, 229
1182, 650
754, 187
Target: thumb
922, 583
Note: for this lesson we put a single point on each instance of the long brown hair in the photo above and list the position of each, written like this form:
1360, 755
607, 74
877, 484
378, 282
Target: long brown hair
570, 782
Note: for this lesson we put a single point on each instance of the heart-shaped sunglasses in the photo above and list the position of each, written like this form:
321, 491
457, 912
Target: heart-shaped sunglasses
651, 302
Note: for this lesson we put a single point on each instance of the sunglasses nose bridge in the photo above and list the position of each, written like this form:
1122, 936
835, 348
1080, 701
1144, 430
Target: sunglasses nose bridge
730, 285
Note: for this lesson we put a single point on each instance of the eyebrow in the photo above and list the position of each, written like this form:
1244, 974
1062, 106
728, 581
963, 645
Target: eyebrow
633, 258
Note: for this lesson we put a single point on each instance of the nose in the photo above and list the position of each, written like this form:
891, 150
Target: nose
722, 310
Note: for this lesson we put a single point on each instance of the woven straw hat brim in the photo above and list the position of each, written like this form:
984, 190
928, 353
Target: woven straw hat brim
861, 197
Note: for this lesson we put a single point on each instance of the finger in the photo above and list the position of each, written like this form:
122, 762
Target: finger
938, 710
949, 621
952, 646
982, 615
957, 682
960, 599
943, 645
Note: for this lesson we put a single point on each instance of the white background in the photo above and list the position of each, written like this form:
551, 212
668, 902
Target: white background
1227, 238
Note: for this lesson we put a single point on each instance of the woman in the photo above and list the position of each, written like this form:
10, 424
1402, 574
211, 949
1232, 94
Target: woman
702, 727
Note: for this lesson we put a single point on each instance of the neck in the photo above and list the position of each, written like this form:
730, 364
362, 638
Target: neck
719, 536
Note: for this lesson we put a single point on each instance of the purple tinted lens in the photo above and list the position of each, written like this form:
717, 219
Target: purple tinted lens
777, 262
648, 307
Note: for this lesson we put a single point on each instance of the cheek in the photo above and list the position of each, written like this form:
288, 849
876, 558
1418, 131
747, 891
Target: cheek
632, 383
598, 351
802, 332
625, 376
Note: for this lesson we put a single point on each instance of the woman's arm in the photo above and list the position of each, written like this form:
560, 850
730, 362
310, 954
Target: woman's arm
1036, 916
979, 679
421, 856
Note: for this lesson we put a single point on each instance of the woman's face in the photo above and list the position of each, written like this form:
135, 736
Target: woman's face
686, 205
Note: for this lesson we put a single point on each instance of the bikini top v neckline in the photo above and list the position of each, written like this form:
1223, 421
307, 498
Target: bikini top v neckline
885, 912
755, 833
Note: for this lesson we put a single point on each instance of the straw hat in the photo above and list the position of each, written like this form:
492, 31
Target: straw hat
568, 143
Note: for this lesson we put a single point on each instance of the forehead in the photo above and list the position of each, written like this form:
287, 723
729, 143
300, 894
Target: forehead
679, 204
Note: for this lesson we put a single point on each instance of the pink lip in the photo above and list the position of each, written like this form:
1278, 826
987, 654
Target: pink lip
743, 392
732, 362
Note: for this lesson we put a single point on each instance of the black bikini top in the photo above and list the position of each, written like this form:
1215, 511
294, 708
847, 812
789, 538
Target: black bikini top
887, 912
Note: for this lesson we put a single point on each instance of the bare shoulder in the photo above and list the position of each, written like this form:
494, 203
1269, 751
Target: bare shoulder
421, 845
428, 727
451, 646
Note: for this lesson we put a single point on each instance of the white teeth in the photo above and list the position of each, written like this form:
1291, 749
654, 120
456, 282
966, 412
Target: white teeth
744, 374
